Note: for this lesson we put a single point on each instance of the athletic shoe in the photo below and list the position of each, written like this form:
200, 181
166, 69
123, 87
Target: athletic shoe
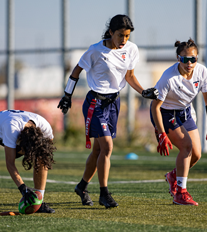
171, 179
44, 208
182, 197
107, 201
86, 200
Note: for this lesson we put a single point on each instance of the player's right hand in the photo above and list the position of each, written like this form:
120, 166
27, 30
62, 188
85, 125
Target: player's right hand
163, 142
27, 194
65, 103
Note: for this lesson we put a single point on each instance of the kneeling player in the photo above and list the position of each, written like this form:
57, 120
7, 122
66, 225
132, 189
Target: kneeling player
29, 135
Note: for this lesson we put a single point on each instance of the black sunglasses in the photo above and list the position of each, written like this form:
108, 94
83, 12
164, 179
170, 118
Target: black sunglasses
185, 59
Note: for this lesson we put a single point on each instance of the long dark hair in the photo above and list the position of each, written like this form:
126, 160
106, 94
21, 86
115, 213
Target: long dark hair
116, 23
37, 149
184, 45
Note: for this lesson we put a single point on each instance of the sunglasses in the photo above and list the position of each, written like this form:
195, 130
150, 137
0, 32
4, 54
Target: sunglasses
185, 59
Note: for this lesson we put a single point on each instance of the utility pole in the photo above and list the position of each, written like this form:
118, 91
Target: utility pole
198, 102
10, 54
130, 92
64, 27
203, 142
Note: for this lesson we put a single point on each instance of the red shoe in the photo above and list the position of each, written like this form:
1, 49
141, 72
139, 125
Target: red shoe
182, 197
171, 179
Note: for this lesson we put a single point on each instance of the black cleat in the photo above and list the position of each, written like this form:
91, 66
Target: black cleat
86, 200
44, 208
107, 201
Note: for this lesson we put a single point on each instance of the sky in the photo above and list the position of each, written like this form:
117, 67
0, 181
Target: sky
38, 24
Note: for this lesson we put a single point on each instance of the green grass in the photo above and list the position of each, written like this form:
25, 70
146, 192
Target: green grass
142, 206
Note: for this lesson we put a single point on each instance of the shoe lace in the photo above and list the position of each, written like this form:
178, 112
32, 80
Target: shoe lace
186, 196
110, 198
85, 195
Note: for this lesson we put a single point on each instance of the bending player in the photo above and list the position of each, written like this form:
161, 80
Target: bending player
29, 135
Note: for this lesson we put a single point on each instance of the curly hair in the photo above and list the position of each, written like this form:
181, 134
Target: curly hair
184, 45
37, 149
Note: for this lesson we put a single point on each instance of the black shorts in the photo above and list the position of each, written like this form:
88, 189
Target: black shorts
104, 119
173, 119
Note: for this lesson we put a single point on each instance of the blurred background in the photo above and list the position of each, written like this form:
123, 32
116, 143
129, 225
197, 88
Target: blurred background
41, 41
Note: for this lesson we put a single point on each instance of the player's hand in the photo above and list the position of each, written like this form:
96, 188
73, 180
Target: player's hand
163, 142
27, 194
65, 103
151, 93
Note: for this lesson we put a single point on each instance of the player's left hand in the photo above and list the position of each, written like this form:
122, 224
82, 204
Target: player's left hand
163, 142
151, 93
65, 103
27, 194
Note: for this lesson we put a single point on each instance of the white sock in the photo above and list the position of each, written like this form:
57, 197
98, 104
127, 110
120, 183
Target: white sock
182, 182
42, 192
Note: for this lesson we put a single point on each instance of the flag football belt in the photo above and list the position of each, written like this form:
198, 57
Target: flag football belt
106, 100
91, 108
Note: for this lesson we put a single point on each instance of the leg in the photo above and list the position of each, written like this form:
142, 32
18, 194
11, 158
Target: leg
181, 139
40, 179
103, 166
91, 162
103, 161
176, 136
90, 170
196, 147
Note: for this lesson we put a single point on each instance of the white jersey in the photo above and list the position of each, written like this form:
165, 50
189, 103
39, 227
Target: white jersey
106, 68
13, 121
176, 92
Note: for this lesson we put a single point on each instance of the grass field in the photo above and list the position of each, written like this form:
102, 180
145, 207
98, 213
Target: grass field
143, 205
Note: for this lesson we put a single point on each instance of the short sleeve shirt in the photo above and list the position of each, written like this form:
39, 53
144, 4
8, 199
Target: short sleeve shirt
176, 92
13, 121
106, 68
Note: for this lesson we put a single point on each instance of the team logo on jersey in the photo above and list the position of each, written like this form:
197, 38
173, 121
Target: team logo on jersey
196, 83
123, 55
104, 126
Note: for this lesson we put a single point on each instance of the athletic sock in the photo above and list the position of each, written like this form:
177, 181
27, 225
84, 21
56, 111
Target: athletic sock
103, 191
182, 182
83, 185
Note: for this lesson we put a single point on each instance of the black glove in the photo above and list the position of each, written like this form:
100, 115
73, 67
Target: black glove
151, 93
65, 103
27, 194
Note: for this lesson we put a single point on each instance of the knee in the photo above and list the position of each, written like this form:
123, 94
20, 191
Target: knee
196, 156
107, 150
187, 148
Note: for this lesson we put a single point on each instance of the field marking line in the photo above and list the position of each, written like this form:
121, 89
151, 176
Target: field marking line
110, 182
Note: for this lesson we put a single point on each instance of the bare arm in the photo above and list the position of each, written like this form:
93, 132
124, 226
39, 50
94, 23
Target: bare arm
76, 71
10, 154
205, 98
133, 82
157, 116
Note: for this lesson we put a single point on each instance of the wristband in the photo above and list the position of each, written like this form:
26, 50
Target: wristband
71, 85
22, 187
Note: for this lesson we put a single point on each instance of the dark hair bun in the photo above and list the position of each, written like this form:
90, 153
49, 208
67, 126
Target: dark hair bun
190, 41
177, 43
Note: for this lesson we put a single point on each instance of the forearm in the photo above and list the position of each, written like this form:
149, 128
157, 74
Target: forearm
157, 117
134, 83
10, 154
15, 174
